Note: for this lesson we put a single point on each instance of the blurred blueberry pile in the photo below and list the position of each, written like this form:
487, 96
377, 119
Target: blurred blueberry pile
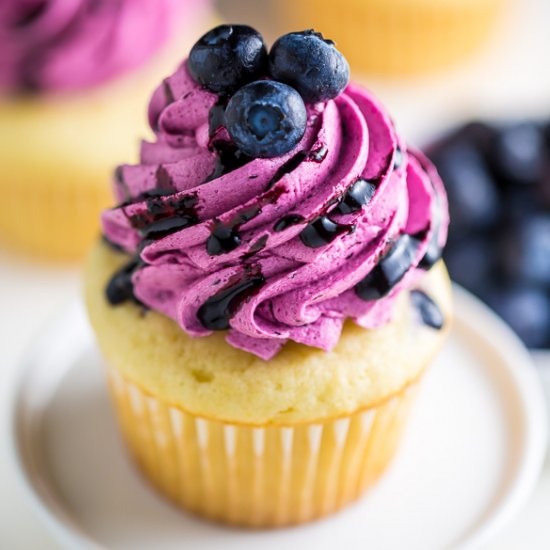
498, 182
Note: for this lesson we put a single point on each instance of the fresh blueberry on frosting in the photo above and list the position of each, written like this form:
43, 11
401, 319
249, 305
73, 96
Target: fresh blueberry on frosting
227, 57
266, 119
309, 63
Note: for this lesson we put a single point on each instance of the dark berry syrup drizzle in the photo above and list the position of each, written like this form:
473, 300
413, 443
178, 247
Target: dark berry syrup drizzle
120, 287
391, 268
217, 311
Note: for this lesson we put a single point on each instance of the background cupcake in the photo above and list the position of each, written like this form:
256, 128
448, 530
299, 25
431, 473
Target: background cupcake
73, 76
386, 37
269, 292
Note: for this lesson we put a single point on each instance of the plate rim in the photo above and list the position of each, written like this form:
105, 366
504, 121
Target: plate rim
63, 530
520, 368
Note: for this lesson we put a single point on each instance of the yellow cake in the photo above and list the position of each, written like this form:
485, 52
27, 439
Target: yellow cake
398, 37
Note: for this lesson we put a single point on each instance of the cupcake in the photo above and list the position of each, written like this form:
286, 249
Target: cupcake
269, 290
73, 79
399, 37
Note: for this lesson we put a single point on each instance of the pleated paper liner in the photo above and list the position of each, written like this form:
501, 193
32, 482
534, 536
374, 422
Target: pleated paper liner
390, 37
258, 476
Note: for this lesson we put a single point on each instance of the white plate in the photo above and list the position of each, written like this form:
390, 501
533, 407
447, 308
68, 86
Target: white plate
470, 457
541, 359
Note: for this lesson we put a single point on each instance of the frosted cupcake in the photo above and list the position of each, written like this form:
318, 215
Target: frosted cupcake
73, 80
269, 293
399, 37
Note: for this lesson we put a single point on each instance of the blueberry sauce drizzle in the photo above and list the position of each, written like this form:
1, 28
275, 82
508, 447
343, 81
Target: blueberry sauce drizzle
167, 226
259, 245
228, 158
322, 230
217, 311
164, 217
225, 237
120, 287
290, 165
358, 195
427, 309
288, 221
222, 240
390, 269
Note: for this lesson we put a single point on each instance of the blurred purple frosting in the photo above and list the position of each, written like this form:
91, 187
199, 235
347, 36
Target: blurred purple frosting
63, 45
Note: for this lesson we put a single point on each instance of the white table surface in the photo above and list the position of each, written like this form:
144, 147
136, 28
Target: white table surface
511, 77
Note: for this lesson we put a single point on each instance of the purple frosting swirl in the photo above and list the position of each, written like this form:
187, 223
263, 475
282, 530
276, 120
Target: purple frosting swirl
60, 45
276, 249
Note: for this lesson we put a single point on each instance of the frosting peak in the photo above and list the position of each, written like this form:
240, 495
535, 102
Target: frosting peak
72, 44
282, 248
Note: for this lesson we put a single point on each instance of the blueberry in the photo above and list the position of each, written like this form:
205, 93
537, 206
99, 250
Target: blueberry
120, 287
518, 153
546, 131
227, 57
526, 310
266, 118
389, 270
427, 309
309, 63
525, 250
470, 262
474, 202
543, 188
476, 134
